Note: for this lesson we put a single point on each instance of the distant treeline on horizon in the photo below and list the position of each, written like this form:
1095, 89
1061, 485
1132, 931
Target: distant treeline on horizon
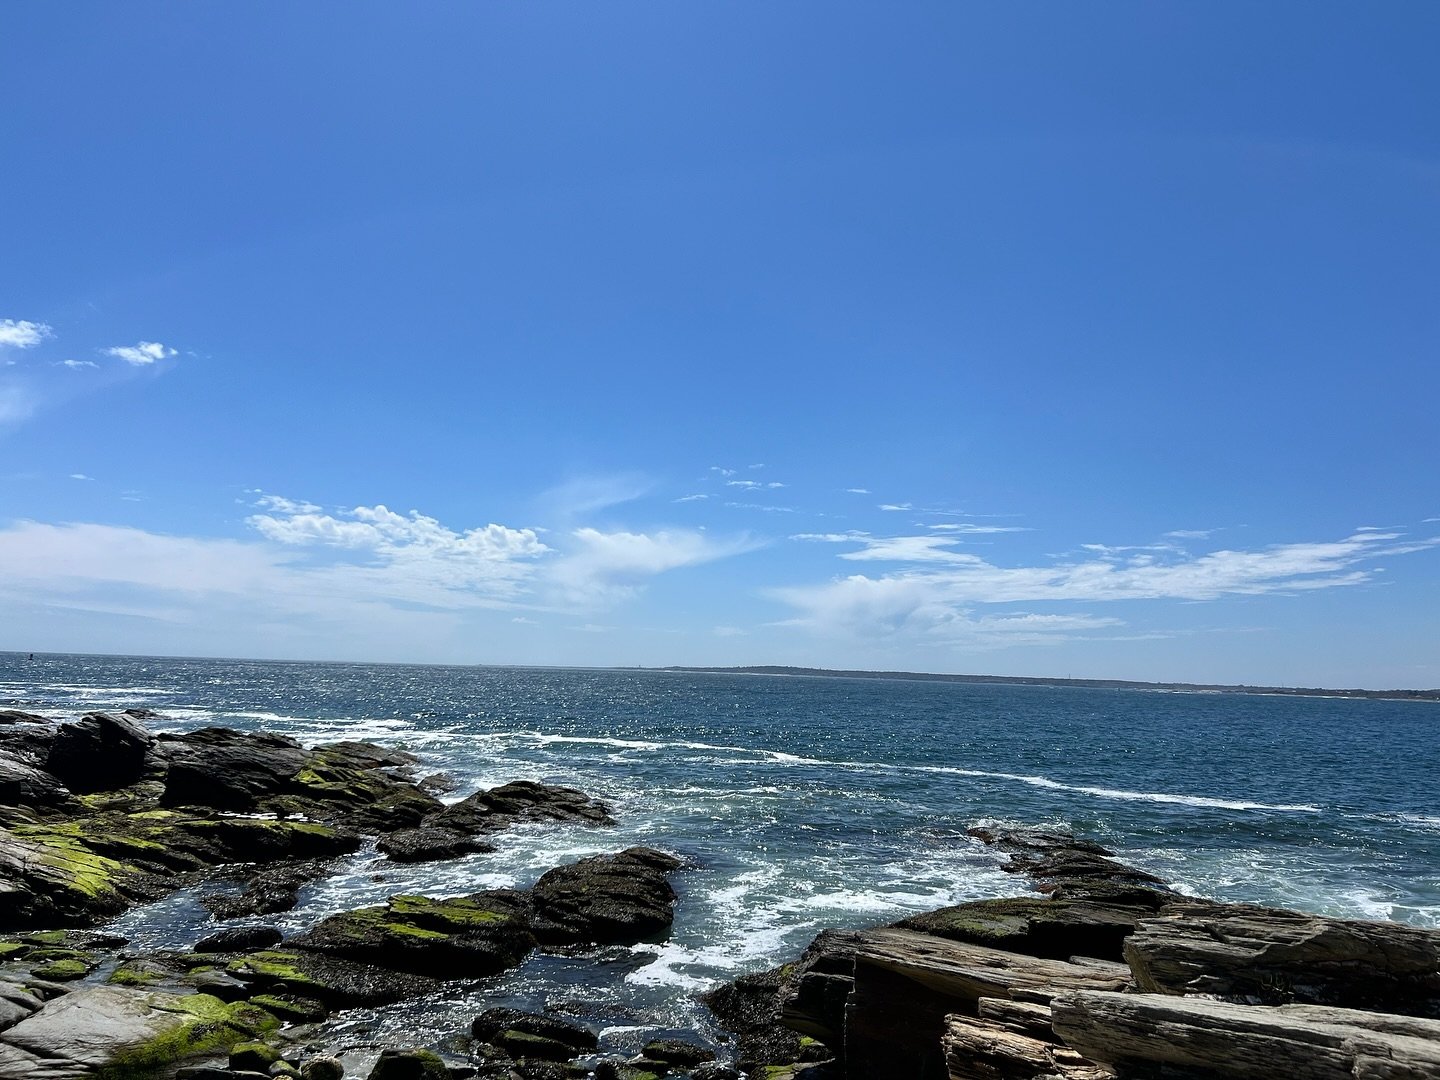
1097, 684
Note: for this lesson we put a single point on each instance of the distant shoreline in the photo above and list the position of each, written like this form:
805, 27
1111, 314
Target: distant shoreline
1093, 684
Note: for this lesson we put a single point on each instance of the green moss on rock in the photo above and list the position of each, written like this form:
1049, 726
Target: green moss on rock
62, 970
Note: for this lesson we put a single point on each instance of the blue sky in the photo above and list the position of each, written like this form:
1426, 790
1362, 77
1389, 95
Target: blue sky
1030, 339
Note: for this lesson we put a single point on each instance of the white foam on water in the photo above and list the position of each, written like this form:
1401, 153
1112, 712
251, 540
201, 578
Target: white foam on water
1118, 793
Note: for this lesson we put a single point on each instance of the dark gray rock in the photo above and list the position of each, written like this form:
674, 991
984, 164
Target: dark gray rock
225, 769
677, 1052
622, 898
518, 802
490, 1025
429, 844
239, 939
16, 716
99, 752
409, 1065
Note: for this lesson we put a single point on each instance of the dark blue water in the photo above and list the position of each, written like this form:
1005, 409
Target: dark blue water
807, 803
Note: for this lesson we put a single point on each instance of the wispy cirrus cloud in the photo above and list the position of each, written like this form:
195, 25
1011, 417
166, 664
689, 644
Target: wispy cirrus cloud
77, 365
940, 587
141, 354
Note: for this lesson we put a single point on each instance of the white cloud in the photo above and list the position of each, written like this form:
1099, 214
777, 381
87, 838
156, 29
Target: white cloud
926, 597
22, 334
722, 470
761, 506
1190, 534
748, 485
893, 507
858, 491
606, 566
691, 498
76, 365
142, 353
408, 556
80, 476
978, 530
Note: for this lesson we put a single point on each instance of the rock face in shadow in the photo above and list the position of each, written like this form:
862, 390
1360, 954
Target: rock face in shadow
99, 752
429, 844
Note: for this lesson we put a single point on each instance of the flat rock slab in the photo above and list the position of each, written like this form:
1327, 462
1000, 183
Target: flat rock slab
110, 1028
1156, 1034
1263, 956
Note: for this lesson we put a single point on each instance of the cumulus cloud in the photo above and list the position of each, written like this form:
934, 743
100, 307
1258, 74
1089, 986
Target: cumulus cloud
940, 588
22, 334
142, 353
366, 573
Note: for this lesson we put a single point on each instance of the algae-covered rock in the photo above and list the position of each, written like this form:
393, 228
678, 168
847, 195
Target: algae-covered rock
331, 979
322, 1068
409, 1065
622, 898
121, 1032
1051, 928
460, 937
494, 1025
253, 1056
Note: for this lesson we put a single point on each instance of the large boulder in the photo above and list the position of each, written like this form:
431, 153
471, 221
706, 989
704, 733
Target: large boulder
225, 769
462, 937
99, 752
623, 898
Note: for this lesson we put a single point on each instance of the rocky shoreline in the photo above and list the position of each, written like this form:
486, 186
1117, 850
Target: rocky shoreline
1097, 971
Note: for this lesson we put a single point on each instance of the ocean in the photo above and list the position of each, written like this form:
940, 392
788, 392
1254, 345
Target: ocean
804, 803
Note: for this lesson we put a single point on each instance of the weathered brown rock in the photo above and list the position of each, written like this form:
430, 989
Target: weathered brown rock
1154, 1035
978, 1048
1265, 956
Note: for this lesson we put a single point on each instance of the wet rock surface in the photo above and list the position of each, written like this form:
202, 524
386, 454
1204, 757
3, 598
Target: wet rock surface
1102, 972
